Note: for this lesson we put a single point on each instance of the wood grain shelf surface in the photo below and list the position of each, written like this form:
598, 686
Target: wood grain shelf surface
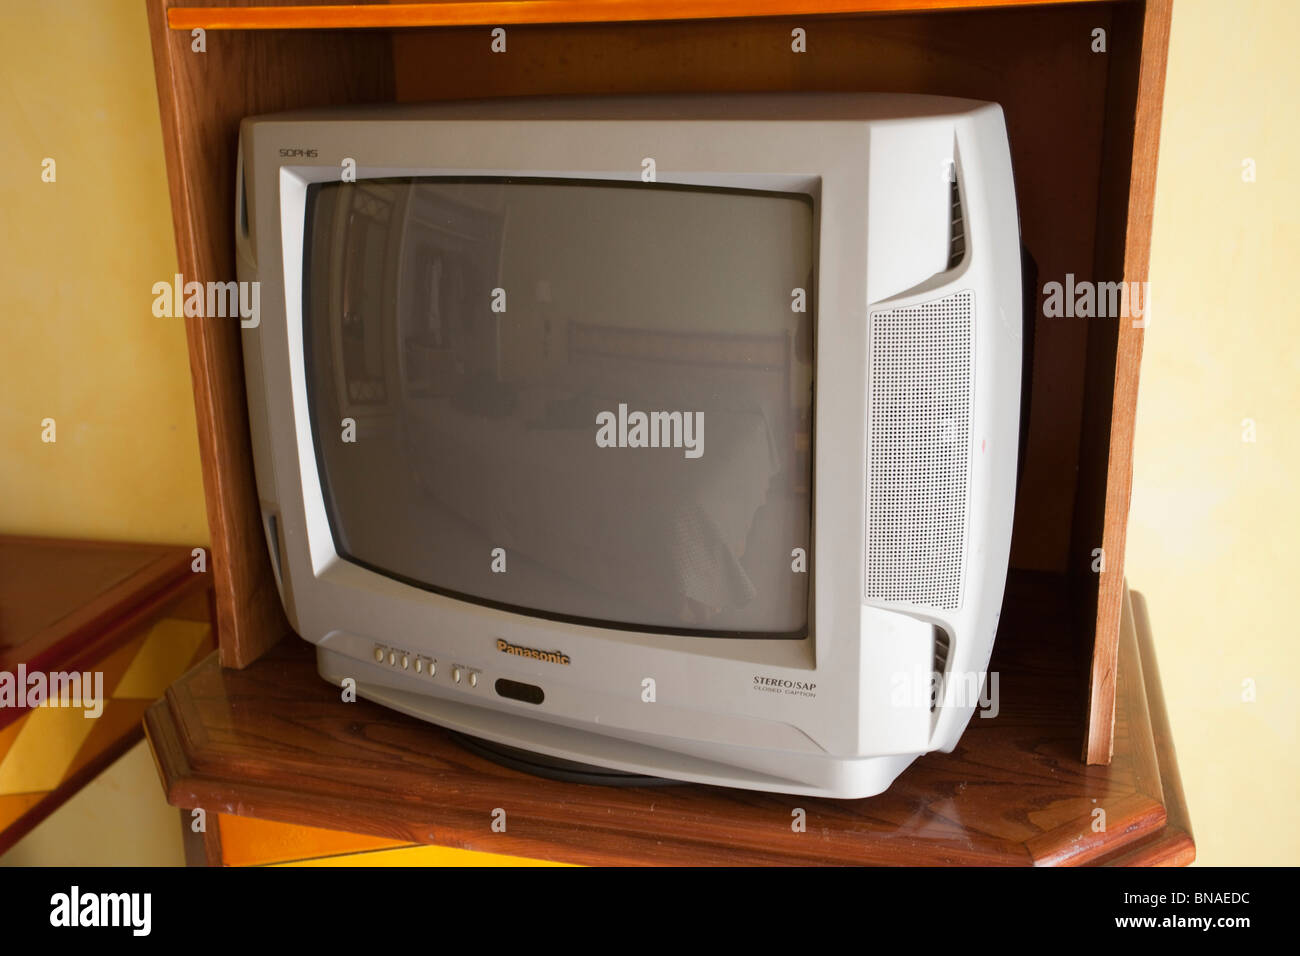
276, 742
461, 13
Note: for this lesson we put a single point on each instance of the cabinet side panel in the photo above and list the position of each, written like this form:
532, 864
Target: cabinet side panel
202, 97
1127, 358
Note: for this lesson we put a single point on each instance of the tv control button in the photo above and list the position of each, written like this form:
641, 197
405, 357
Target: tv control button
419, 665
406, 662
392, 658
455, 674
433, 668
473, 680
379, 655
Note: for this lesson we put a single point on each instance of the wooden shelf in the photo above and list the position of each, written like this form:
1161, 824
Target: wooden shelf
59, 597
459, 13
274, 741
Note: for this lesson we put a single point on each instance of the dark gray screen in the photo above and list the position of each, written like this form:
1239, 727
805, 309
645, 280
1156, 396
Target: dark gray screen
589, 401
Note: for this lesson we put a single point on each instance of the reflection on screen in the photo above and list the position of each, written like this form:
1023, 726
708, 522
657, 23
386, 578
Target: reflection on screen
587, 401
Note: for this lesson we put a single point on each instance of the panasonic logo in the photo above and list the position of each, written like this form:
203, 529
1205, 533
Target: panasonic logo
551, 657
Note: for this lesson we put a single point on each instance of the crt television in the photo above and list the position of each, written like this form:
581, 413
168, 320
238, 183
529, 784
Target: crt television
663, 437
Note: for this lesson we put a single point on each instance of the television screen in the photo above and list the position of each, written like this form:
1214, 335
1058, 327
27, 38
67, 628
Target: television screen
584, 400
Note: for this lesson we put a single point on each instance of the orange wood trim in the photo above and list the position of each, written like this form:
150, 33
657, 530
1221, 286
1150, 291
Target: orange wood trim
505, 12
1119, 472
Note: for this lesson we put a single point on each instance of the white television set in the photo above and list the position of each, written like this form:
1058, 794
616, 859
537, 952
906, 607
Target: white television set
643, 438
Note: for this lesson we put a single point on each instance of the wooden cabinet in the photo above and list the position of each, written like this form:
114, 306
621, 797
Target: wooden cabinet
1081, 87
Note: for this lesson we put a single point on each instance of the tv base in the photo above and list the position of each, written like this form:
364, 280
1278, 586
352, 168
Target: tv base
552, 744
555, 768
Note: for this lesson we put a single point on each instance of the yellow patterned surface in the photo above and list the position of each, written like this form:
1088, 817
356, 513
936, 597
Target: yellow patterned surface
48, 745
247, 841
169, 648
423, 856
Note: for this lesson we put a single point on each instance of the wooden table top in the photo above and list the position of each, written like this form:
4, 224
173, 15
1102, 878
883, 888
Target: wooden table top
55, 591
275, 741
121, 620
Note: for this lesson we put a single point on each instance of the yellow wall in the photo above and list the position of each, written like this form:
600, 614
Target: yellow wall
77, 260
1213, 528
81, 345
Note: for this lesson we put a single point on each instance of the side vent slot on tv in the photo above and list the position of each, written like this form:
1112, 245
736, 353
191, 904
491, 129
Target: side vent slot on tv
243, 209
918, 452
942, 645
246, 257
273, 544
956, 223
243, 197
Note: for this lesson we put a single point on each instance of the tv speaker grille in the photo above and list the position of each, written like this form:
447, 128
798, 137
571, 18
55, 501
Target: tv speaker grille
918, 452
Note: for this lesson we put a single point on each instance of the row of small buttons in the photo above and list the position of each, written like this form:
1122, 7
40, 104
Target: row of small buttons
403, 660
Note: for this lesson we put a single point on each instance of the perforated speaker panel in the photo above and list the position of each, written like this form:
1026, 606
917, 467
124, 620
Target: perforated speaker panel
918, 451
